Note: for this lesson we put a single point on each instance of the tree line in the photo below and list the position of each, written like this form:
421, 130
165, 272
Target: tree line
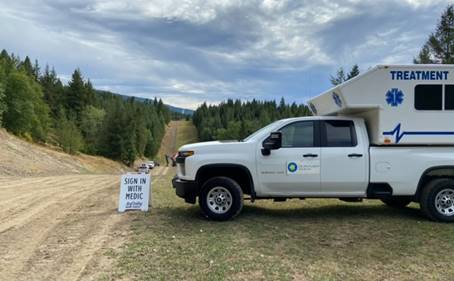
38, 106
234, 119
439, 47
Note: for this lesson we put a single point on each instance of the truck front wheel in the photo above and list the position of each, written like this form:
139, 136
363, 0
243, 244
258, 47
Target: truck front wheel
437, 200
221, 198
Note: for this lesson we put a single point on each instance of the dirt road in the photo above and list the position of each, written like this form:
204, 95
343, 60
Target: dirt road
60, 227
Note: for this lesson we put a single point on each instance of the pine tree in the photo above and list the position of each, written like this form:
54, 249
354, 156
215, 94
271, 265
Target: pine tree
2, 103
439, 48
53, 90
36, 70
20, 113
353, 72
90, 126
89, 93
339, 78
68, 134
27, 67
75, 94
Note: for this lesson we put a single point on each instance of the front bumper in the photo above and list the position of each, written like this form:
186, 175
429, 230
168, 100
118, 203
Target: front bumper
185, 189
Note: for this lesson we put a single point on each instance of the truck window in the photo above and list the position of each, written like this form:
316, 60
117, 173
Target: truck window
338, 133
449, 97
298, 134
428, 97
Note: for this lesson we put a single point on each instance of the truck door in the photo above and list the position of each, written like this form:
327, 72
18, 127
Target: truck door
344, 158
294, 169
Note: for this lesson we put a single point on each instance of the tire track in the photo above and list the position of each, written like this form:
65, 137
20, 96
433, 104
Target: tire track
35, 203
22, 236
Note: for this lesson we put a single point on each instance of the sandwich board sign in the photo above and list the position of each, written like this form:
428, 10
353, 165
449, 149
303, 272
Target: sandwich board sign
134, 192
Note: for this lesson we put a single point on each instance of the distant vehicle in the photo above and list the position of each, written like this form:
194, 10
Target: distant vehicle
143, 169
151, 164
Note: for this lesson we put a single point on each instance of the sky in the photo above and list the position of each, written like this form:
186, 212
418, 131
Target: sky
191, 51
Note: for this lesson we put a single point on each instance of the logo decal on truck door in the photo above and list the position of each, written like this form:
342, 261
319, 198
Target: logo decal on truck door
308, 167
292, 167
394, 97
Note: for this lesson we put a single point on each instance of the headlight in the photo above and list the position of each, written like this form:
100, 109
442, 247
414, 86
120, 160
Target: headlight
185, 154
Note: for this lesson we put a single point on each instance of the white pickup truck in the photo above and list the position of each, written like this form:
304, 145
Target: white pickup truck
315, 157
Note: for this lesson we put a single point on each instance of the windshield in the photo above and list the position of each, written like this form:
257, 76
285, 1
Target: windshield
261, 130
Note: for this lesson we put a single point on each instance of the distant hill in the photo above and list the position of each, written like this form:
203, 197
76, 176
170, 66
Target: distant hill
172, 108
184, 111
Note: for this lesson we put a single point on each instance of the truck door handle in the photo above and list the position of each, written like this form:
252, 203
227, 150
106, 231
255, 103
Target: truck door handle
354, 155
310, 155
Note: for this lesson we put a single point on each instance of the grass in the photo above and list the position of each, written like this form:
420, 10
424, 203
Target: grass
296, 240
186, 133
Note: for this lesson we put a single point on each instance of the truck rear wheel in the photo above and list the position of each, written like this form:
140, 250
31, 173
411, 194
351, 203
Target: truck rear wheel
437, 200
397, 202
221, 198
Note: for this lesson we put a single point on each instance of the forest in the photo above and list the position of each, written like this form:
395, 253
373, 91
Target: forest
235, 119
37, 106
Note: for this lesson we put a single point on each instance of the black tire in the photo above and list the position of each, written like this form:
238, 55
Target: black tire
220, 188
397, 202
428, 200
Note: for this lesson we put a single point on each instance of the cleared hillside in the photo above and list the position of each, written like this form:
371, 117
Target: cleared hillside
177, 134
21, 158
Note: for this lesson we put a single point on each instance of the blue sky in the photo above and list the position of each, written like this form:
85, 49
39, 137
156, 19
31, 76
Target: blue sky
190, 51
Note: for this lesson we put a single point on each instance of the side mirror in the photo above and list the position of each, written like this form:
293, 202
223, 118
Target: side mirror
274, 141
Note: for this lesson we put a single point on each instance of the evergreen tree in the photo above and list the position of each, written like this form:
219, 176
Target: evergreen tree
353, 72
36, 70
90, 126
439, 48
26, 113
53, 90
75, 94
89, 93
26, 66
2, 103
68, 134
341, 77
424, 56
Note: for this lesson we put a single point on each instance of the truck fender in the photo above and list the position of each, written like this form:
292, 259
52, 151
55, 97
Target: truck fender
221, 169
446, 170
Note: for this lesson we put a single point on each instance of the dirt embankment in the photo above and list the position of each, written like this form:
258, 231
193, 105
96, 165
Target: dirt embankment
21, 158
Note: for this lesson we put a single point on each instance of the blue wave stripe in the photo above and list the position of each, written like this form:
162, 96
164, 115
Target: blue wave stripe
399, 135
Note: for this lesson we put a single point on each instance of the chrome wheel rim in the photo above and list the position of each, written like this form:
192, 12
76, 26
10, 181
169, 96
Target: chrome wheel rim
444, 202
219, 200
